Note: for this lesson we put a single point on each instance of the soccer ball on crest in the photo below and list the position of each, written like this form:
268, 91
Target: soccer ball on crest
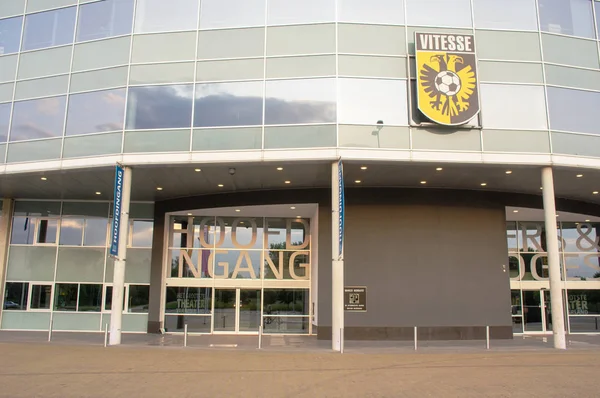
447, 82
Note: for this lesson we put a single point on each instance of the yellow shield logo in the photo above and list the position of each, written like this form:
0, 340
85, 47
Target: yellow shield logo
447, 77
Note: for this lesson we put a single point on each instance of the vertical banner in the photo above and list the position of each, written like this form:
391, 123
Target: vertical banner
117, 204
341, 206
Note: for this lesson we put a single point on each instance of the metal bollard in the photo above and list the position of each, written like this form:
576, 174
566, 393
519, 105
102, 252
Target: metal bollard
50, 330
487, 337
105, 335
341, 340
415, 337
260, 337
185, 335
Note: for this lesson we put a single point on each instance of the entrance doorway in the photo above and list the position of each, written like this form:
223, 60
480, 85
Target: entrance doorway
237, 310
537, 311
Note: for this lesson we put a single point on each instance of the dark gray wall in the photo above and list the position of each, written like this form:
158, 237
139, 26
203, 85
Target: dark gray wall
423, 265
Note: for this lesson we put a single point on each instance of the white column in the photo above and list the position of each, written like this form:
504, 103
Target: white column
5, 226
116, 313
337, 264
556, 295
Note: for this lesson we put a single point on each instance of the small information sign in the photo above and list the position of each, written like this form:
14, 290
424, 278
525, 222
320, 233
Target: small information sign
355, 298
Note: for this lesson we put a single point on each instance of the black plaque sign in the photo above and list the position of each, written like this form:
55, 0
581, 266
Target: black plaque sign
355, 298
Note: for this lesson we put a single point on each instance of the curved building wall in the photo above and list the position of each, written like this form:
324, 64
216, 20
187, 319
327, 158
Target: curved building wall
105, 78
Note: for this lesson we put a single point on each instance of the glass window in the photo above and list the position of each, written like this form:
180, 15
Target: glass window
570, 51
366, 101
372, 11
281, 12
525, 105
50, 28
4, 120
10, 35
109, 297
90, 297
41, 295
597, 7
141, 235
15, 296
65, 297
163, 16
439, 13
22, 230
96, 112
155, 107
286, 302
584, 302
95, 232
101, 54
189, 300
300, 101
46, 231
301, 39
573, 110
232, 13
41, 118
138, 298
71, 231
505, 14
104, 19
228, 104
231, 43
568, 17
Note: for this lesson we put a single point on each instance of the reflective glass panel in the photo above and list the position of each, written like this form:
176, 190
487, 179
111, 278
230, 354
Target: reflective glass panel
50, 28
580, 237
4, 120
285, 324
10, 35
300, 101
597, 7
582, 266
22, 230
505, 14
47, 231
526, 107
573, 110
104, 19
71, 231
228, 104
439, 13
249, 310
568, 17
189, 300
163, 16
583, 302
96, 112
95, 232
232, 13
109, 296
155, 107
41, 118
286, 302
281, 12
15, 296
90, 297
365, 101
65, 297
371, 11
142, 233
138, 298
41, 295
225, 305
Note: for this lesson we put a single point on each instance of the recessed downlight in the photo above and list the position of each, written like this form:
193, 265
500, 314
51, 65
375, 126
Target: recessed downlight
98, 193
279, 168
43, 178
237, 210
587, 220
483, 184
298, 216
363, 167
439, 169
159, 188
220, 185
197, 170
357, 181
189, 214
423, 182
508, 171
595, 193
579, 175
287, 182
515, 211
293, 207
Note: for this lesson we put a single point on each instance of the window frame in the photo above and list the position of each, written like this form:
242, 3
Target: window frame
125, 298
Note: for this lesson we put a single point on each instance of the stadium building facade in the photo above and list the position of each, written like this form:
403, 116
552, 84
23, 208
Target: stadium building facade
419, 163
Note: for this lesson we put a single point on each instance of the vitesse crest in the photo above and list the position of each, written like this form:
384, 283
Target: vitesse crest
447, 77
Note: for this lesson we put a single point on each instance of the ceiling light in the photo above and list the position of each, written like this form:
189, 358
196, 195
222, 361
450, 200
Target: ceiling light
541, 187
508, 171
220, 185
197, 170
357, 181
439, 169
363, 167
159, 188
298, 216
483, 184
558, 215
515, 211
288, 182
423, 182
189, 214
587, 220
43, 178
293, 207
241, 222
237, 210
98, 193
595, 193
579, 175
279, 168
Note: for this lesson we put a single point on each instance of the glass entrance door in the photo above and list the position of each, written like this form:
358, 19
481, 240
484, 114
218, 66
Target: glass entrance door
237, 310
536, 311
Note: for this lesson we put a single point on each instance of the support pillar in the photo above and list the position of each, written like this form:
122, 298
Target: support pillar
337, 264
556, 294
5, 226
116, 313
